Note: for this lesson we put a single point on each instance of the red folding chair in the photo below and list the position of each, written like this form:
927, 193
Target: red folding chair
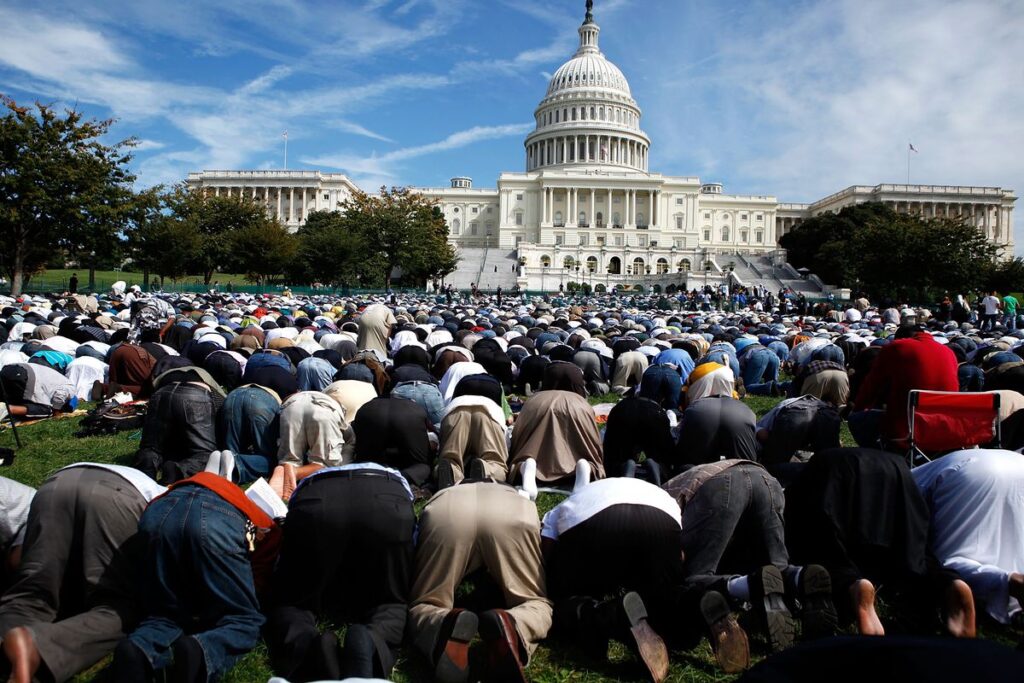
944, 421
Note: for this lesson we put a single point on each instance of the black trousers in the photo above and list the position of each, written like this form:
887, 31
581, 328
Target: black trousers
179, 432
347, 555
622, 548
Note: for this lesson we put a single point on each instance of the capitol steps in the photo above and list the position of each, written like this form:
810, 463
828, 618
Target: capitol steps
489, 268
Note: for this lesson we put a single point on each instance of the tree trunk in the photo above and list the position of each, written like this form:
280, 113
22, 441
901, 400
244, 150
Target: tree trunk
207, 277
145, 279
92, 277
18, 274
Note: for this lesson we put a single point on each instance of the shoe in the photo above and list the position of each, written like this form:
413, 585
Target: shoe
445, 474
649, 644
476, 470
505, 652
767, 593
728, 640
360, 653
130, 665
818, 614
452, 652
99, 390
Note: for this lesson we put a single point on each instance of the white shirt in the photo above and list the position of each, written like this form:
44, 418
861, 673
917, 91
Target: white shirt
976, 498
146, 487
991, 304
603, 494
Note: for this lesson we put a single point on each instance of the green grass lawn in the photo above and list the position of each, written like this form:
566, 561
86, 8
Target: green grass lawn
104, 278
50, 445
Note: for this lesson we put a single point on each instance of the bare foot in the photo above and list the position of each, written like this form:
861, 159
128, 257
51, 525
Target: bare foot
277, 481
20, 648
862, 595
959, 610
289, 482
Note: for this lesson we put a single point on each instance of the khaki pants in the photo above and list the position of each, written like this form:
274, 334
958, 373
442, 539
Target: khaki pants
468, 433
314, 431
463, 528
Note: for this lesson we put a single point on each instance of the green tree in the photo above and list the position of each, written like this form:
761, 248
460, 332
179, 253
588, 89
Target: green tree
332, 251
215, 220
891, 255
59, 187
405, 230
165, 247
263, 249
1006, 276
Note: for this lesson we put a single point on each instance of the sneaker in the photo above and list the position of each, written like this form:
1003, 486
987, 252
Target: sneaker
505, 652
451, 658
818, 614
476, 469
767, 593
648, 644
728, 640
445, 474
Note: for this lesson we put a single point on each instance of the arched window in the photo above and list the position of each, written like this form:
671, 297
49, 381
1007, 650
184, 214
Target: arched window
638, 266
725, 233
564, 112
545, 261
556, 117
600, 219
684, 265
473, 228
568, 262
456, 226
591, 263
662, 266
592, 111
744, 236
614, 265
574, 113
758, 236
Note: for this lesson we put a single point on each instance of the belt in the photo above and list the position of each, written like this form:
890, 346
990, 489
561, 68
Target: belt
360, 474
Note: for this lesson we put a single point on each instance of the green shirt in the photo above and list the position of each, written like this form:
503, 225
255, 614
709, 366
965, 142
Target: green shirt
1010, 304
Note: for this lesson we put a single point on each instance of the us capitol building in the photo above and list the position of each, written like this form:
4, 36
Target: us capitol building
589, 209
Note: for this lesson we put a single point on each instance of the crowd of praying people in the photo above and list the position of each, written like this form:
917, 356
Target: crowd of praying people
308, 462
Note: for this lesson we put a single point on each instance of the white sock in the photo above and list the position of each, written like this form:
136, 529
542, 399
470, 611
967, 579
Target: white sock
227, 465
528, 472
739, 588
582, 475
213, 464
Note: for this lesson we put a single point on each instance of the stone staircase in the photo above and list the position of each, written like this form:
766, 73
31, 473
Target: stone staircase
760, 270
488, 267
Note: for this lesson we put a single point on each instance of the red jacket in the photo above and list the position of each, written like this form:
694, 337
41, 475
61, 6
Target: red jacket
268, 533
917, 362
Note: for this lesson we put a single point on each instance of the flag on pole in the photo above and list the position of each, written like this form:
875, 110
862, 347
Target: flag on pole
910, 146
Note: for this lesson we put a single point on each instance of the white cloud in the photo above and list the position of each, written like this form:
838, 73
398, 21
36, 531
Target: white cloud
378, 169
144, 145
356, 129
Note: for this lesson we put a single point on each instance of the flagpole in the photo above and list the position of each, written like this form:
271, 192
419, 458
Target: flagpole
908, 164
286, 150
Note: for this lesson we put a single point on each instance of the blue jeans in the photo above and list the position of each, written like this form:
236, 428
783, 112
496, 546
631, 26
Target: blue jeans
198, 580
1010, 321
759, 366
663, 385
250, 422
425, 394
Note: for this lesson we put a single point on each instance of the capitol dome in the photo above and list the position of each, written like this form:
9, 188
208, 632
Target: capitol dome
588, 115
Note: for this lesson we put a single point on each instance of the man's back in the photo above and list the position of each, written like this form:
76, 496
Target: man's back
917, 362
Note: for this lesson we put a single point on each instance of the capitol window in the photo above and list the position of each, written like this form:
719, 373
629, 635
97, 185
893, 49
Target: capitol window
519, 217
472, 228
556, 117
707, 215
475, 210
707, 235
456, 209
679, 222
744, 236
490, 209
326, 196
760, 217
725, 234
743, 216
456, 226
519, 197
758, 236
679, 201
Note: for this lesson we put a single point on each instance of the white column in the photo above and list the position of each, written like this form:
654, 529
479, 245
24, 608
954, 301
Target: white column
291, 205
280, 216
216, 191
608, 215
592, 215
650, 207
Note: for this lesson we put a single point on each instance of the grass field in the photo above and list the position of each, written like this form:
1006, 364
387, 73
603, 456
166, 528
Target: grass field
50, 445
57, 279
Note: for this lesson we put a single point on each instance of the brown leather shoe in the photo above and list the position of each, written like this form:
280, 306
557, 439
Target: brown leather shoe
451, 656
728, 639
649, 644
505, 652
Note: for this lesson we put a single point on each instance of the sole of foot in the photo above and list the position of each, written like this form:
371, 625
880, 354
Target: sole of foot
862, 595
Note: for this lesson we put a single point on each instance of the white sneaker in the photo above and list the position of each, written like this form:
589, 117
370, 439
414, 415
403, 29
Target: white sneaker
528, 472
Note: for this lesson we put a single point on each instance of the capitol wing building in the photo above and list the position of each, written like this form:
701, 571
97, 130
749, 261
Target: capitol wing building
588, 209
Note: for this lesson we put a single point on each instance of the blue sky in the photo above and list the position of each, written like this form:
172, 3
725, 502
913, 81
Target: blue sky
793, 99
